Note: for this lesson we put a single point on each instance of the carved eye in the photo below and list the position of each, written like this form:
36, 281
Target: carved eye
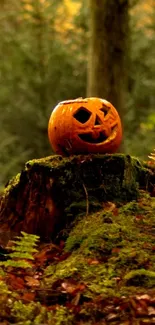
105, 110
82, 115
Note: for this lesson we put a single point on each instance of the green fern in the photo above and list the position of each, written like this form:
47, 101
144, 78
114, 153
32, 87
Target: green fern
23, 248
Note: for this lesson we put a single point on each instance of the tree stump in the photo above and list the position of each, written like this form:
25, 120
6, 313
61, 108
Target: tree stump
47, 196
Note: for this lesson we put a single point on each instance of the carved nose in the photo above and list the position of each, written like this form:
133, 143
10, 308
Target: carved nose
98, 121
100, 129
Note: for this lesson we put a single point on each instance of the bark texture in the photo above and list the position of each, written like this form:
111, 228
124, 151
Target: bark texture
107, 67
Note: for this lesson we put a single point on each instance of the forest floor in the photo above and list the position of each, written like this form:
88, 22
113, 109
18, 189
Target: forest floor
101, 272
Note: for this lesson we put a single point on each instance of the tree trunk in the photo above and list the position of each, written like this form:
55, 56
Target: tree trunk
107, 66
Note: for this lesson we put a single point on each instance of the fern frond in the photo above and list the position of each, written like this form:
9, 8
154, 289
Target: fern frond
22, 251
20, 248
20, 255
29, 237
13, 263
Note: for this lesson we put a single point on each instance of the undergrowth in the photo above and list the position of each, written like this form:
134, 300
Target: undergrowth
104, 270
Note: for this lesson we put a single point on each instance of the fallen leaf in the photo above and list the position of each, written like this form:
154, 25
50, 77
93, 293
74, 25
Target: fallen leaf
93, 261
151, 311
116, 250
63, 256
109, 206
47, 253
145, 297
112, 317
117, 279
31, 281
28, 296
15, 282
72, 288
139, 218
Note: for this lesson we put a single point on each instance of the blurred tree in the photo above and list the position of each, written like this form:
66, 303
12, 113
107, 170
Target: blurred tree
42, 65
109, 41
140, 116
142, 69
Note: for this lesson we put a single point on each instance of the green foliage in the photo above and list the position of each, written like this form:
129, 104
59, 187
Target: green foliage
139, 118
62, 317
23, 249
109, 268
6, 297
22, 312
3, 288
41, 66
34, 313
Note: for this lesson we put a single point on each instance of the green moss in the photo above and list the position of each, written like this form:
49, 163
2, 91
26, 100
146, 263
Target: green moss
130, 175
4, 288
134, 207
140, 277
63, 316
64, 269
99, 278
77, 208
34, 313
121, 174
49, 161
6, 295
13, 183
93, 233
78, 184
106, 246
2, 273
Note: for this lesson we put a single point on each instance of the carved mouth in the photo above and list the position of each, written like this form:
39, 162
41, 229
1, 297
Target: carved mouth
87, 137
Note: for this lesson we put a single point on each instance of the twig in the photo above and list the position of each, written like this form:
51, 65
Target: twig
87, 200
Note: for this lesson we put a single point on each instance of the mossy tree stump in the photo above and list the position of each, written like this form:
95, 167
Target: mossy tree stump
50, 193
100, 269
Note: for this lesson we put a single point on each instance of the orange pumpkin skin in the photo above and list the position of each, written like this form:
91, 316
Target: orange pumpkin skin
90, 125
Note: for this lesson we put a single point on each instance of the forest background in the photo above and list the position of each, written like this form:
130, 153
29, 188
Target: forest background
45, 58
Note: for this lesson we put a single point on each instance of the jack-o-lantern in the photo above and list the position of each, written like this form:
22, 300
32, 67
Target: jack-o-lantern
90, 125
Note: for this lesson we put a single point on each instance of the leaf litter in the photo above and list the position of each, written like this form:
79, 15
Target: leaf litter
102, 273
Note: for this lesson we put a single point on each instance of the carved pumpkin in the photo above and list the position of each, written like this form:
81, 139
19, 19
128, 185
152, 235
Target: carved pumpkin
90, 125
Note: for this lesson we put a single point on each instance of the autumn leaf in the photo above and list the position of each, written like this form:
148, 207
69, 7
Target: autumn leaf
31, 281
15, 282
28, 296
72, 288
